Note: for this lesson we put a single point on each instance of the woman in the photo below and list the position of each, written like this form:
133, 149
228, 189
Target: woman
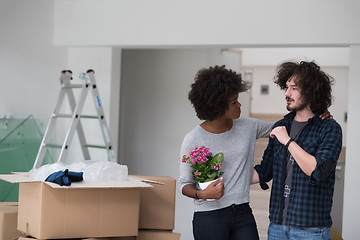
214, 96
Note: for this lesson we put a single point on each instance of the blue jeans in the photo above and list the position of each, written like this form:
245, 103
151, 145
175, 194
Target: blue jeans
282, 232
231, 223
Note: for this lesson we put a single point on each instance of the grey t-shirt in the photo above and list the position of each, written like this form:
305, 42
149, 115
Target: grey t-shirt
296, 128
238, 146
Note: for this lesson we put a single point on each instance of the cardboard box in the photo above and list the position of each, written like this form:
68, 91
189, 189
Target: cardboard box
113, 238
84, 209
105, 238
158, 235
157, 204
143, 235
8, 221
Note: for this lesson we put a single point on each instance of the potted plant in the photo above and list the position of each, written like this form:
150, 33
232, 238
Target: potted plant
206, 166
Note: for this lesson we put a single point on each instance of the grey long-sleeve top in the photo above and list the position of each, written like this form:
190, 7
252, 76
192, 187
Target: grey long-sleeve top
238, 145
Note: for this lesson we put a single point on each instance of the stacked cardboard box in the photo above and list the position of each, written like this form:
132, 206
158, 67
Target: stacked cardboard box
157, 209
141, 208
143, 235
8, 221
157, 204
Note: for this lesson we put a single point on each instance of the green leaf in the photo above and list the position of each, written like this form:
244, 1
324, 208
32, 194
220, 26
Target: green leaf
219, 157
212, 175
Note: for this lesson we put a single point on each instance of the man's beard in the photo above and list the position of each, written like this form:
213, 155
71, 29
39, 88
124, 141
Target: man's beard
300, 107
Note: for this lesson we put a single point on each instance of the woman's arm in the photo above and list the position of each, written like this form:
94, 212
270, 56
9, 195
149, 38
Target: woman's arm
255, 177
211, 192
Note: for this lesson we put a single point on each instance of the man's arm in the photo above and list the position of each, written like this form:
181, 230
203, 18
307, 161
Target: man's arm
306, 162
326, 155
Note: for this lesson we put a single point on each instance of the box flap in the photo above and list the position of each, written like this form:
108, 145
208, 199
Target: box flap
128, 183
16, 178
21, 173
142, 179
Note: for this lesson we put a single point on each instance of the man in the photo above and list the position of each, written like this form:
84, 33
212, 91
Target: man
301, 156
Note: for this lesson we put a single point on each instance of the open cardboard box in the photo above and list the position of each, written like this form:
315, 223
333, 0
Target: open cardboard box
84, 209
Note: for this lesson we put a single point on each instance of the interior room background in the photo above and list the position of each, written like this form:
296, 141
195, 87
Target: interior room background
144, 69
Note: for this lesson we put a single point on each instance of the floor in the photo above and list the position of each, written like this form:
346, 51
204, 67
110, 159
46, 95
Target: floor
259, 202
259, 199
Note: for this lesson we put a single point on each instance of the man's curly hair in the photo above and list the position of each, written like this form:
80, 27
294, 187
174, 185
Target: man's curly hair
212, 89
315, 85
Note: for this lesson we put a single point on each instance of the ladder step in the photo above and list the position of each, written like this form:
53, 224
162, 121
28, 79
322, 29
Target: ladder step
89, 116
73, 86
94, 146
53, 145
64, 115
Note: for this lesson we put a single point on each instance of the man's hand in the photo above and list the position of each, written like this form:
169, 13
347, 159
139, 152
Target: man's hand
281, 134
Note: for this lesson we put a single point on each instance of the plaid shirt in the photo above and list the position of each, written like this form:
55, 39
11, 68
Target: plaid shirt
310, 201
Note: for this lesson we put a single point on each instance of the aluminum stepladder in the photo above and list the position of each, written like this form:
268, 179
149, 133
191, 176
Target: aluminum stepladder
88, 81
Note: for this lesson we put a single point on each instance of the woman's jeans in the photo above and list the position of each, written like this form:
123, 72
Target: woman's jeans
281, 232
231, 223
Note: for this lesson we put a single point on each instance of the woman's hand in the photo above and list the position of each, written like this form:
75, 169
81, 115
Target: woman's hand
215, 190
326, 114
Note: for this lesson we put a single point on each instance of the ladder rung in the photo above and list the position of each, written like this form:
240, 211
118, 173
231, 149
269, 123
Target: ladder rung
88, 116
53, 145
64, 115
94, 146
73, 86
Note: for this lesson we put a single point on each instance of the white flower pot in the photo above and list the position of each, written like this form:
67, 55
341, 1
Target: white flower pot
204, 185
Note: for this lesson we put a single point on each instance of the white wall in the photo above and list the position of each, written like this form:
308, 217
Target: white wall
351, 210
30, 69
146, 23
269, 57
29, 63
107, 76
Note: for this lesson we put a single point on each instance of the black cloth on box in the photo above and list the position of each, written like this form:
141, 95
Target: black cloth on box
65, 177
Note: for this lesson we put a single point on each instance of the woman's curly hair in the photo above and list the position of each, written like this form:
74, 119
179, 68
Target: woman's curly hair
212, 89
315, 85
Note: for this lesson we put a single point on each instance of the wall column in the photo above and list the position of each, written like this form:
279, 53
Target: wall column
351, 210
